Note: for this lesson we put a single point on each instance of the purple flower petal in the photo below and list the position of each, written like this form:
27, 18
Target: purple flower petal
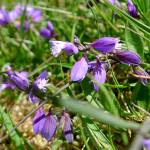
46, 33
36, 15
128, 57
26, 25
146, 143
66, 124
4, 17
70, 48
40, 82
32, 98
19, 79
142, 72
16, 13
7, 85
112, 1
58, 46
132, 9
99, 75
79, 70
38, 121
43, 75
50, 26
49, 128
105, 44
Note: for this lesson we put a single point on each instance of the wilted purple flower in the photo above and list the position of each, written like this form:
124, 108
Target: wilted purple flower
58, 46
39, 87
99, 74
146, 143
66, 124
19, 79
128, 57
79, 70
47, 32
4, 17
105, 44
141, 72
39, 120
49, 128
132, 9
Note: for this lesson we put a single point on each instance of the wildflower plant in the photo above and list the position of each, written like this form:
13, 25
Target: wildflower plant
86, 90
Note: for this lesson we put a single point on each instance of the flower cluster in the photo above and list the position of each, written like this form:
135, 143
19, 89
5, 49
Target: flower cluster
31, 16
108, 47
44, 124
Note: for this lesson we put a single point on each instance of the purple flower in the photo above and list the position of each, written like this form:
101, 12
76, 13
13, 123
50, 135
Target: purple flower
39, 120
48, 31
19, 79
141, 72
128, 57
49, 127
112, 1
35, 14
146, 143
39, 87
132, 9
7, 85
58, 46
4, 17
105, 44
99, 75
66, 124
79, 70
25, 25
15, 13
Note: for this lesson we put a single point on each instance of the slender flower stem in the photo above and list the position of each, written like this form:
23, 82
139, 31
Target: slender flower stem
34, 110
140, 76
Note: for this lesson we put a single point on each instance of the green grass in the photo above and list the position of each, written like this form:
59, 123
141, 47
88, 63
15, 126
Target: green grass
109, 120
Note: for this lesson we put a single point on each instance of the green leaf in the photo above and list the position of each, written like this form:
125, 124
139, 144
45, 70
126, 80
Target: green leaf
18, 141
141, 95
100, 141
134, 42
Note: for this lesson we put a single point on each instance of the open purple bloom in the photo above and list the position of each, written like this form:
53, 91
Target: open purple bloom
39, 120
146, 143
49, 128
105, 44
132, 9
39, 87
79, 70
47, 32
58, 46
19, 79
4, 17
66, 124
99, 75
140, 71
128, 57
